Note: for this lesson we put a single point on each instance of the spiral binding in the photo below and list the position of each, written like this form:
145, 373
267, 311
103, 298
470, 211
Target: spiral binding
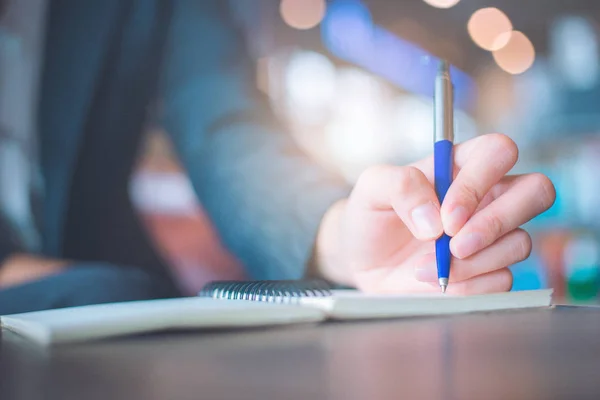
276, 291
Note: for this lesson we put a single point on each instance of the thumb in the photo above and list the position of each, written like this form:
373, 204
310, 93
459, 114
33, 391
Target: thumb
404, 190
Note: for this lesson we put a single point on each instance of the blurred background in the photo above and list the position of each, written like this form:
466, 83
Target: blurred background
354, 82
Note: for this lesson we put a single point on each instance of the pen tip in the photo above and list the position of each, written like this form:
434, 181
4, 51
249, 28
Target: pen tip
444, 288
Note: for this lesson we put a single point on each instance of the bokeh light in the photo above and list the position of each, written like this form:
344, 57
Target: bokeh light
310, 86
302, 14
442, 3
517, 56
356, 134
574, 51
489, 28
413, 126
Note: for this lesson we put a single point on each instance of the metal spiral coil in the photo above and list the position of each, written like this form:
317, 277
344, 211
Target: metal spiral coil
276, 291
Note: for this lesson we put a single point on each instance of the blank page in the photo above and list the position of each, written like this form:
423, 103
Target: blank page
109, 320
356, 305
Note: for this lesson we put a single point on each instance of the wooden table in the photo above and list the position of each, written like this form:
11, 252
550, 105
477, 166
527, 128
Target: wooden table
543, 354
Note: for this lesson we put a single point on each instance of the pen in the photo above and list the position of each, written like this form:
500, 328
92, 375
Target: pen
443, 133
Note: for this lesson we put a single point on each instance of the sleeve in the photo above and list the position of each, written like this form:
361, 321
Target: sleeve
265, 197
9, 243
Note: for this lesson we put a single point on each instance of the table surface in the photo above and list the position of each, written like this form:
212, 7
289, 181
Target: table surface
534, 354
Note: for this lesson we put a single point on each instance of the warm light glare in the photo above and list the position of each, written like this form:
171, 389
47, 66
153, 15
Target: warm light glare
517, 56
358, 130
310, 86
442, 3
302, 14
489, 28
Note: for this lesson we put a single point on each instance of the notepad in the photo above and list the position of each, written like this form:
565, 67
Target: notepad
76, 324
105, 321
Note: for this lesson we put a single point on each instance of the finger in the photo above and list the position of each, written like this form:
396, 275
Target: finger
488, 163
508, 250
404, 190
462, 153
401, 280
492, 282
528, 196
497, 190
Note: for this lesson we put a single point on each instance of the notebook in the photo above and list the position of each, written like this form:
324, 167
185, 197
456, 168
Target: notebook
237, 305
351, 304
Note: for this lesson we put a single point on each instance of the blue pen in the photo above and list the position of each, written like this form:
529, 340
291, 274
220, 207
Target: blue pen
442, 155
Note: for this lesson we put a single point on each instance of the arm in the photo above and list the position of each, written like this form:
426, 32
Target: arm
18, 267
265, 197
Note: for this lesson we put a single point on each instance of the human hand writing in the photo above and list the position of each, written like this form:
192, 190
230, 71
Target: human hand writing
382, 238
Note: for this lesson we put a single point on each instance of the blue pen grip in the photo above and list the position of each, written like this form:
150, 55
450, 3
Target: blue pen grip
442, 155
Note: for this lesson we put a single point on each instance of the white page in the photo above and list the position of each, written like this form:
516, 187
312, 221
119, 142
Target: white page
119, 319
356, 305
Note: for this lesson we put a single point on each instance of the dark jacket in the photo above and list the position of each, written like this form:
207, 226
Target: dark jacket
106, 63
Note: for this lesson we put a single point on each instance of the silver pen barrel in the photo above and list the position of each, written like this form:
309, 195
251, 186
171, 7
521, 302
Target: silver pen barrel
443, 105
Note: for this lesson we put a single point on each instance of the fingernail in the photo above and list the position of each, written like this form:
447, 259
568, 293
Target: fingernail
427, 221
456, 220
466, 245
426, 272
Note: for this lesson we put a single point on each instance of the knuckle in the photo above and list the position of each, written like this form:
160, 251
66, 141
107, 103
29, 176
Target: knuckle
471, 194
371, 178
391, 181
494, 225
372, 173
404, 179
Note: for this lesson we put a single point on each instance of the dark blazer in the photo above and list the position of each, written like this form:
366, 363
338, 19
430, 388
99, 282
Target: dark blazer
107, 61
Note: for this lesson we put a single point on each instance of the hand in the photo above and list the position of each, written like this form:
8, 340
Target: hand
381, 239
22, 268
